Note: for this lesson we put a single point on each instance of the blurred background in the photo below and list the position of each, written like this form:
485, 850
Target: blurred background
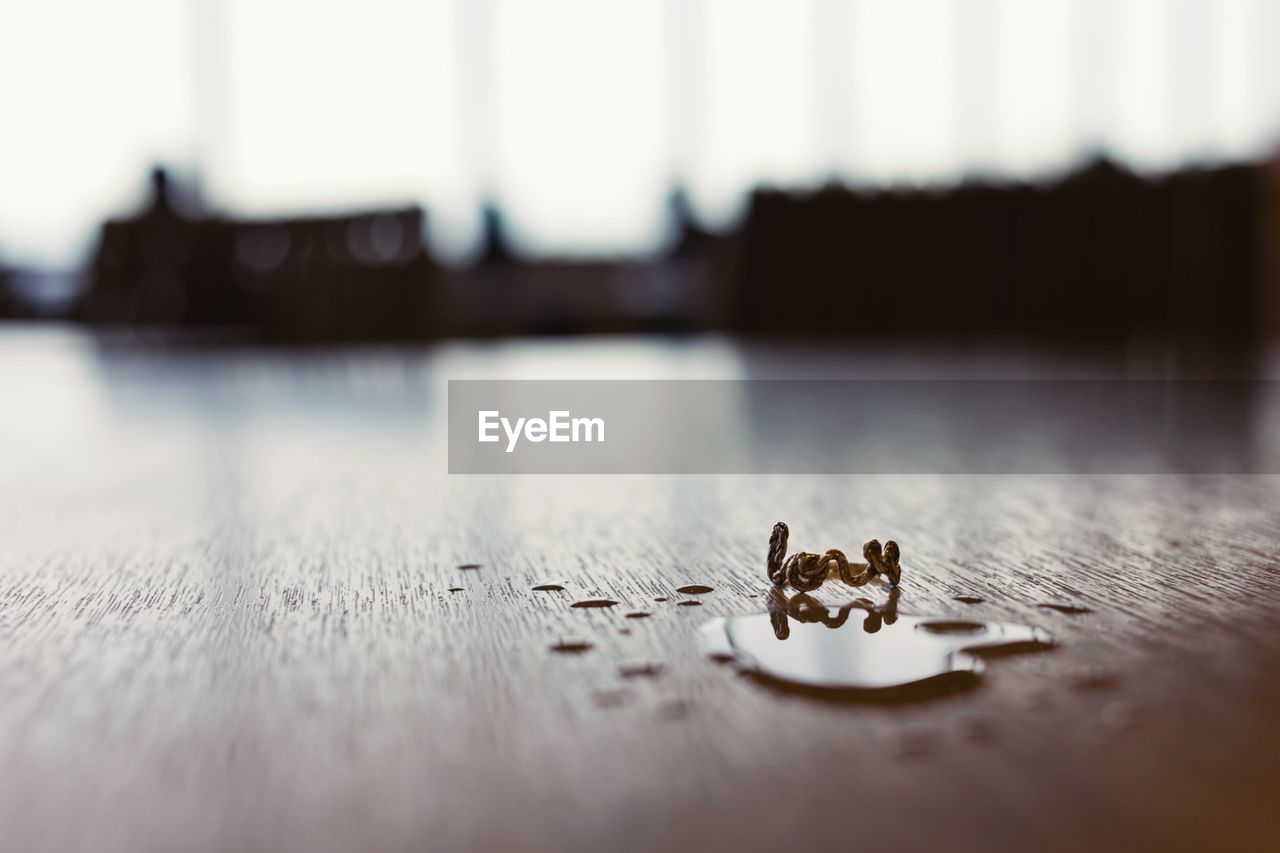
246, 246
326, 171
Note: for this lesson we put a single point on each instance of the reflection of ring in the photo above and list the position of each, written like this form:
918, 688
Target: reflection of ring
806, 572
803, 608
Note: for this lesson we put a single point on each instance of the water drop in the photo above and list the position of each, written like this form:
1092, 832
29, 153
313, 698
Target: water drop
951, 626
660, 598
594, 602
969, 599
1069, 609
690, 603
638, 614
571, 648
861, 651
455, 589
694, 589
548, 587
469, 567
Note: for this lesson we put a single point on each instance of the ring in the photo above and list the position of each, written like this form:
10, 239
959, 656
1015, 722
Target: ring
806, 572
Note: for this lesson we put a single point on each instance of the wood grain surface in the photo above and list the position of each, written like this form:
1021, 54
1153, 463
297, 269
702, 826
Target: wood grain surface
232, 618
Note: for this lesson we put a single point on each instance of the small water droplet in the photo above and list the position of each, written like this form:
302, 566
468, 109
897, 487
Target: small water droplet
877, 655
455, 589
952, 626
638, 614
571, 647
548, 587
594, 602
1069, 609
969, 599
648, 670
469, 567
660, 598
690, 603
694, 589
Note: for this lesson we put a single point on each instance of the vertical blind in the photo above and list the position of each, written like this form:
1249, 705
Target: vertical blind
577, 117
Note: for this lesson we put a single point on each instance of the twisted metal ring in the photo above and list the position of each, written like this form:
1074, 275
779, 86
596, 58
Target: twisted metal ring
806, 572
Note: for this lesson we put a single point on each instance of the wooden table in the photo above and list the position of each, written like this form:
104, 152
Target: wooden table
231, 618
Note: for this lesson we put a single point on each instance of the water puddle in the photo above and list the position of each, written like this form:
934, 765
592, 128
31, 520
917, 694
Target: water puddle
862, 651
594, 602
548, 587
694, 589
